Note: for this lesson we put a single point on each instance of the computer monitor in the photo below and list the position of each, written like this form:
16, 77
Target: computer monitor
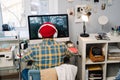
59, 20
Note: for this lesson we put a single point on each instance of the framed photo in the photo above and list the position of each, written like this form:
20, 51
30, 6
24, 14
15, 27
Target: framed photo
79, 10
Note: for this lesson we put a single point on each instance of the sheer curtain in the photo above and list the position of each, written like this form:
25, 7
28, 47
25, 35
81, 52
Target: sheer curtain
15, 12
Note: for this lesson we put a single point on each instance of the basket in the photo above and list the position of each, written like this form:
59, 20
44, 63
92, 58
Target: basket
96, 54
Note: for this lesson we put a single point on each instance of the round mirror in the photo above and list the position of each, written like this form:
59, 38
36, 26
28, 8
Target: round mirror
103, 20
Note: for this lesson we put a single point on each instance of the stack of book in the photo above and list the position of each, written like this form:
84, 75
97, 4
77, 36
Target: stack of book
94, 72
114, 53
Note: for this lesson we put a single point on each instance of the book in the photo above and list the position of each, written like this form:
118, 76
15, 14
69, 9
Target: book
94, 67
113, 58
94, 72
96, 78
103, 38
113, 49
97, 73
114, 54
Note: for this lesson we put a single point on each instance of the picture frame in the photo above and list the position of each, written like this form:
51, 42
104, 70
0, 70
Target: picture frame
79, 10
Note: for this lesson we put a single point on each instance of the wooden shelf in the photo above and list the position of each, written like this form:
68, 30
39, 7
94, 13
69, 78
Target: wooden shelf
88, 61
10, 76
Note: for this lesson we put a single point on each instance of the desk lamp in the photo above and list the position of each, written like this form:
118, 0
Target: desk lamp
85, 19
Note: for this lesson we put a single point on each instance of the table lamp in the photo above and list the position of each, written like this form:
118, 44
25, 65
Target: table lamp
85, 19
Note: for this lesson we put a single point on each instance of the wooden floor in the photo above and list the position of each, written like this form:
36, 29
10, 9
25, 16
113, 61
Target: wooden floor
13, 76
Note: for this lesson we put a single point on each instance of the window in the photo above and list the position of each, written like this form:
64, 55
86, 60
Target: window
39, 6
15, 12
12, 12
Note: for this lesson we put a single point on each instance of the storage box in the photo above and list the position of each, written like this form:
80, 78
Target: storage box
6, 58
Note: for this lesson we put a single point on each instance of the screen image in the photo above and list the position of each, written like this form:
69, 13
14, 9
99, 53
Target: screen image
60, 21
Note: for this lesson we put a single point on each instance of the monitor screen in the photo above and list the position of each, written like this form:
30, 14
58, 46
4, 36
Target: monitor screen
60, 21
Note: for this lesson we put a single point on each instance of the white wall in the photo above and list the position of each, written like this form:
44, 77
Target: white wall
112, 12
53, 6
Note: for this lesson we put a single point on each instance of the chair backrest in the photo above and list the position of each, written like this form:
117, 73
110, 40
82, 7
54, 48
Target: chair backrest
34, 75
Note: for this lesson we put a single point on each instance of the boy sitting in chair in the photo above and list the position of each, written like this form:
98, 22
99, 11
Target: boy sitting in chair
46, 54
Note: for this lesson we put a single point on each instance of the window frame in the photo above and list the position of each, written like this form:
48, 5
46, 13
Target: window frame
26, 4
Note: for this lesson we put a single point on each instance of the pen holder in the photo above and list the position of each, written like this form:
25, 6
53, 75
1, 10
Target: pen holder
114, 33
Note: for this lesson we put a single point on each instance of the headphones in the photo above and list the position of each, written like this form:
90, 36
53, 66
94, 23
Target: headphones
47, 24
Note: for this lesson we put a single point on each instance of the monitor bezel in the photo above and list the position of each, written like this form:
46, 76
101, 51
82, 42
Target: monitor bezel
64, 38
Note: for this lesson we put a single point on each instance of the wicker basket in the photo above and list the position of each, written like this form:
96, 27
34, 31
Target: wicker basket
96, 58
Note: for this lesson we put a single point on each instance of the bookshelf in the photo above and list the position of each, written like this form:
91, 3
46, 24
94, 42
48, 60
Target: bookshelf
109, 47
10, 70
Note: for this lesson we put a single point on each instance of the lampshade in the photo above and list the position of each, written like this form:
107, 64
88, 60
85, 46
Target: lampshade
84, 18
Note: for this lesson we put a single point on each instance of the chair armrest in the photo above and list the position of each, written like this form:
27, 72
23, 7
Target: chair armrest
34, 75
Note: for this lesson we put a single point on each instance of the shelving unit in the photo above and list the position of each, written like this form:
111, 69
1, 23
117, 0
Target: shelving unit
8, 70
109, 67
